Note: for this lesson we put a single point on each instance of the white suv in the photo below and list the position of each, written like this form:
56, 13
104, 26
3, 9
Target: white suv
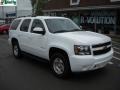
61, 42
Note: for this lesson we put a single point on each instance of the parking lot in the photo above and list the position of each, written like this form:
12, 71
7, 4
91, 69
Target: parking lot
29, 74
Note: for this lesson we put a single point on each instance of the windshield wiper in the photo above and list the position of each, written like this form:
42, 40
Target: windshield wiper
61, 31
73, 30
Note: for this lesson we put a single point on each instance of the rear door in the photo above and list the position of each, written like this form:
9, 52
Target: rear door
24, 35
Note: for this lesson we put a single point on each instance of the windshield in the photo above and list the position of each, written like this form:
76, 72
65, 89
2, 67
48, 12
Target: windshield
61, 25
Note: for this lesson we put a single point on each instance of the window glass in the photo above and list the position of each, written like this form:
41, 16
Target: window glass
37, 23
61, 25
74, 1
15, 24
25, 25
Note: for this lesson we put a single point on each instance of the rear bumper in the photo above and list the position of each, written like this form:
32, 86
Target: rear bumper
86, 63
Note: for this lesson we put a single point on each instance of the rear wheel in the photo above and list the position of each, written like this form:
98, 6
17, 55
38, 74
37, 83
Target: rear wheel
60, 65
16, 50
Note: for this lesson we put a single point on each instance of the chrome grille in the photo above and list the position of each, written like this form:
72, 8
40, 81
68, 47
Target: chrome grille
103, 48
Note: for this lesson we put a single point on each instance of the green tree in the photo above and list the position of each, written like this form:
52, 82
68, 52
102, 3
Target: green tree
33, 2
38, 6
4, 1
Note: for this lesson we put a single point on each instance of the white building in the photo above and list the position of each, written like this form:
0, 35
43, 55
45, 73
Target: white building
23, 8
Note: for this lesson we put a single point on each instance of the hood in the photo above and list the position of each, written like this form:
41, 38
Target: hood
86, 37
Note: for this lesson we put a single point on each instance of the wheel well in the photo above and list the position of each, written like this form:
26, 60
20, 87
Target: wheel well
56, 50
14, 40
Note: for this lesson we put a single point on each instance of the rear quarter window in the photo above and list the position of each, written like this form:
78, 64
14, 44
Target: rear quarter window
15, 24
25, 25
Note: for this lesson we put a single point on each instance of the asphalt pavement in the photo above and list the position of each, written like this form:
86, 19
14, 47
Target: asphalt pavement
29, 74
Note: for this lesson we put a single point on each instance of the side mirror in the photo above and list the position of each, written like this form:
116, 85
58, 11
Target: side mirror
39, 30
81, 27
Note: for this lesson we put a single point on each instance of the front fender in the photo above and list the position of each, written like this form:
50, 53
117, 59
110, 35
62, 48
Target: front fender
63, 47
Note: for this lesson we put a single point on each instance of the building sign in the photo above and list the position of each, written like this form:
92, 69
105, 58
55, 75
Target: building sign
10, 15
114, 0
8, 2
98, 20
74, 2
0, 2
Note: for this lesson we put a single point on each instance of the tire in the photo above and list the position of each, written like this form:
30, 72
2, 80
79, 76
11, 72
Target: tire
60, 65
16, 50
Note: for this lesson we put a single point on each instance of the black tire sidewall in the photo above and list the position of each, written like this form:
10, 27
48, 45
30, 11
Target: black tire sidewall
19, 51
66, 65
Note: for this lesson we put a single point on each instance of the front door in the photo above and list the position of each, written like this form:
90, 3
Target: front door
38, 42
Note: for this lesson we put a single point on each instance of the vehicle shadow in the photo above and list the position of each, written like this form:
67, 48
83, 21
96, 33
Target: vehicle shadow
89, 75
36, 62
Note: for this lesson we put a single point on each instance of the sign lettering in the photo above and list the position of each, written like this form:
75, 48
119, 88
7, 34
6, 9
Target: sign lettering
98, 20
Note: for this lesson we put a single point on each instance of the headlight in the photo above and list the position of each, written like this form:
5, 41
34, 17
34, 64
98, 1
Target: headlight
82, 50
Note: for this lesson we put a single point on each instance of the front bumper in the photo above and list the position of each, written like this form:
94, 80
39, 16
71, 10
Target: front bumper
86, 63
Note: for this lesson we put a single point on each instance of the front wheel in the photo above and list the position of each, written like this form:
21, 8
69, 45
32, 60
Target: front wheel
60, 65
16, 50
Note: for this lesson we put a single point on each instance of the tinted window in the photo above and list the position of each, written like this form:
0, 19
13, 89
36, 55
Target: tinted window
25, 25
37, 23
15, 24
